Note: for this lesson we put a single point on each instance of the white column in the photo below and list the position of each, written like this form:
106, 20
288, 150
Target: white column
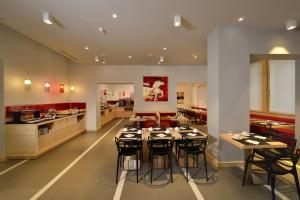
228, 90
297, 102
2, 136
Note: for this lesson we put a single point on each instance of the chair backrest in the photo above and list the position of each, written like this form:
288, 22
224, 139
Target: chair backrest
128, 143
195, 142
156, 143
291, 142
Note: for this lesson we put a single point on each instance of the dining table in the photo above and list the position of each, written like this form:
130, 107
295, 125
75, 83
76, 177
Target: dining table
155, 133
249, 142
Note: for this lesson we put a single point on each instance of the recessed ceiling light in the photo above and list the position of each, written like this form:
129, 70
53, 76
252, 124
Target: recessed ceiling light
129, 57
103, 62
291, 24
97, 58
47, 18
86, 48
114, 15
165, 48
195, 56
241, 19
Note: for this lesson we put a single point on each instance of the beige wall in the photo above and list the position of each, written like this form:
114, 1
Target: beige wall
23, 57
117, 90
87, 77
2, 147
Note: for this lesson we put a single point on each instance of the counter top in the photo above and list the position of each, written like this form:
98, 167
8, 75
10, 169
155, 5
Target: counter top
47, 120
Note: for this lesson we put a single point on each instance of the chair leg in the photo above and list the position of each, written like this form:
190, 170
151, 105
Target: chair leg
187, 167
151, 155
117, 175
178, 154
295, 174
197, 160
137, 167
171, 167
205, 165
269, 178
273, 186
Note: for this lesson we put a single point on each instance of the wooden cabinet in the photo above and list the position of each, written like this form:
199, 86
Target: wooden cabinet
33, 140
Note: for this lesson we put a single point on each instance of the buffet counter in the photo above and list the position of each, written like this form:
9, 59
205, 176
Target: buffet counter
111, 113
30, 141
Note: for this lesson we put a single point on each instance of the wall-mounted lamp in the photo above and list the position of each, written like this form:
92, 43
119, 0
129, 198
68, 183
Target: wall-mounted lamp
177, 20
27, 83
61, 88
47, 87
72, 89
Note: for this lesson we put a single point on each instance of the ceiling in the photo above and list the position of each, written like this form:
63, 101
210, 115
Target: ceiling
142, 27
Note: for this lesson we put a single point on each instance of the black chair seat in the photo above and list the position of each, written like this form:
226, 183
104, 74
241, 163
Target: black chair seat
276, 167
160, 150
128, 151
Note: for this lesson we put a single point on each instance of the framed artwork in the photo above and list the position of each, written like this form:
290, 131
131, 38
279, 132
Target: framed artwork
155, 88
180, 97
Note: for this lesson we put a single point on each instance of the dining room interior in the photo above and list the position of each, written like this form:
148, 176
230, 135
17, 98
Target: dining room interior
108, 99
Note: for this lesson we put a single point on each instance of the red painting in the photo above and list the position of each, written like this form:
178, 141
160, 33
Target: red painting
155, 88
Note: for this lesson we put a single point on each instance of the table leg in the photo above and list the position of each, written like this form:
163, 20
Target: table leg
248, 175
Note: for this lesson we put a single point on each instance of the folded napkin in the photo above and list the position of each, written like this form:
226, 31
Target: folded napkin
260, 137
192, 134
252, 141
156, 128
161, 135
182, 128
129, 135
133, 129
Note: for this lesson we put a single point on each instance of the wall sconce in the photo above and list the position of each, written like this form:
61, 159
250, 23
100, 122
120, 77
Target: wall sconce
27, 83
62, 88
47, 87
72, 88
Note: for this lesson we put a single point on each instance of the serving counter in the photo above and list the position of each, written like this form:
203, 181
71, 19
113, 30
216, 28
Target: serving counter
30, 141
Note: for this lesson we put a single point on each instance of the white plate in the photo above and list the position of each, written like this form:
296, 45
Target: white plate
161, 135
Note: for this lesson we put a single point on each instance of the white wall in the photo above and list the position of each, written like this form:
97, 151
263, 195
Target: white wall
86, 78
201, 98
2, 136
297, 102
23, 57
229, 48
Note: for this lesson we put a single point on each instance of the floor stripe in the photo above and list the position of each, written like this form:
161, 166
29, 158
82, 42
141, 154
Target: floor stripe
193, 185
120, 186
277, 193
55, 179
13, 167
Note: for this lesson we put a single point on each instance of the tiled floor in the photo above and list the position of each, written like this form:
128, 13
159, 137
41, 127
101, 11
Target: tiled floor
93, 177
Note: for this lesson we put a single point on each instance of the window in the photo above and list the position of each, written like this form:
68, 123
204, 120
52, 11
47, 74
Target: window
282, 86
256, 86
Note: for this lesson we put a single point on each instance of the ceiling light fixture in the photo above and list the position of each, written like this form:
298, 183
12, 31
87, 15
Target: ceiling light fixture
114, 15
97, 58
86, 48
177, 20
47, 18
129, 57
103, 62
195, 56
291, 24
241, 19
165, 48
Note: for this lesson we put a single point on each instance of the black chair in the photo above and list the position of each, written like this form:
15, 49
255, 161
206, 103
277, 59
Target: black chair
160, 147
129, 148
194, 147
275, 164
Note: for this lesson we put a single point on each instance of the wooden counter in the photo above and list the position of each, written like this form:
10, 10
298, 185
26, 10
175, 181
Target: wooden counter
30, 141
115, 112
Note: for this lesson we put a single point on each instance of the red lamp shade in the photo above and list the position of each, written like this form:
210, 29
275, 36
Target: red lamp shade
61, 88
